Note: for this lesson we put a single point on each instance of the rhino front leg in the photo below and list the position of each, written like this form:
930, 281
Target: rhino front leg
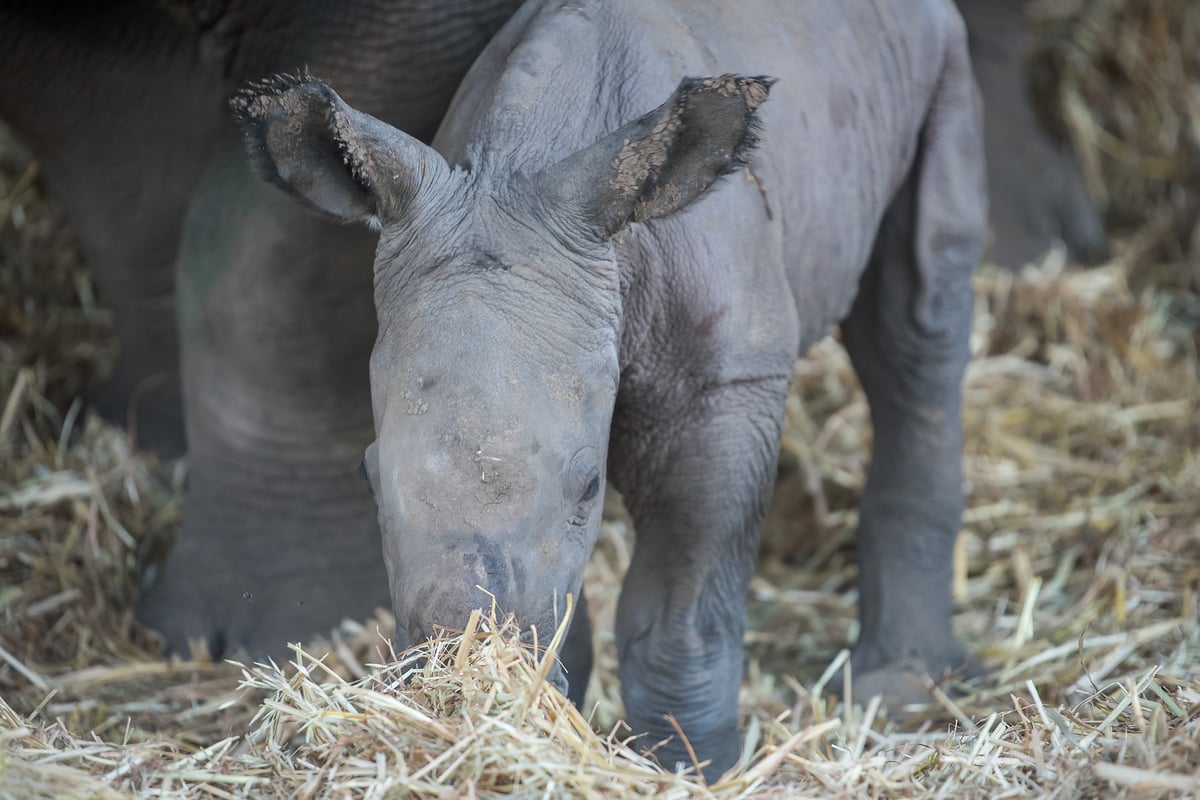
697, 491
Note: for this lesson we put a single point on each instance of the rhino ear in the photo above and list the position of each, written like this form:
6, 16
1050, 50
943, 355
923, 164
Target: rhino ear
660, 163
303, 138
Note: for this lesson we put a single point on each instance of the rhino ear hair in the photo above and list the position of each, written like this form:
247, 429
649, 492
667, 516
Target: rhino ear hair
660, 163
305, 139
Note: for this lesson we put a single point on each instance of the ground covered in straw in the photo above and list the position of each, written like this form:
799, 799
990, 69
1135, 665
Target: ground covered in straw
1078, 576
1077, 572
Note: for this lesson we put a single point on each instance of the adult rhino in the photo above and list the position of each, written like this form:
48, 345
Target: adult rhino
556, 310
240, 317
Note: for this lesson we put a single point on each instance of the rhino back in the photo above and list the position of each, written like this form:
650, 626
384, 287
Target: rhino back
855, 81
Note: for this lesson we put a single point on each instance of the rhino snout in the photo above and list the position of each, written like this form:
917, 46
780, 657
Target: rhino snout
466, 574
461, 573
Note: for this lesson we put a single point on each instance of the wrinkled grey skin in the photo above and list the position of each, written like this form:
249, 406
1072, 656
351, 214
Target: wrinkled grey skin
124, 105
535, 340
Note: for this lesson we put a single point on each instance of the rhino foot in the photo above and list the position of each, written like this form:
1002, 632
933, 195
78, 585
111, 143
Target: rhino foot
906, 683
251, 609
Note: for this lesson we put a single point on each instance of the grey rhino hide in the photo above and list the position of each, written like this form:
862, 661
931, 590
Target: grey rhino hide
527, 544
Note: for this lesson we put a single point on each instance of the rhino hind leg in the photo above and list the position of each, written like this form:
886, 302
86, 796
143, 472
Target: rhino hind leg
131, 250
908, 338
142, 393
911, 506
1037, 191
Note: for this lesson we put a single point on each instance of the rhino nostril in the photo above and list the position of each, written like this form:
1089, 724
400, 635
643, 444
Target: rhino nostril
485, 561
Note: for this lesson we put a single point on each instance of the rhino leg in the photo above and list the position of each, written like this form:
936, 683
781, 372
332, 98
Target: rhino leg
1038, 194
908, 339
133, 266
577, 652
280, 538
119, 109
911, 507
697, 489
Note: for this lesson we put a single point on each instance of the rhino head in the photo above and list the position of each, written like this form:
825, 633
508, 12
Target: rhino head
499, 303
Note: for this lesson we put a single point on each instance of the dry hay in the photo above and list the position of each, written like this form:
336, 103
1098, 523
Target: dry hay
1076, 577
469, 714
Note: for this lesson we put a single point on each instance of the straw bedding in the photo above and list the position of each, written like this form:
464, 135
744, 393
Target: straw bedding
1077, 572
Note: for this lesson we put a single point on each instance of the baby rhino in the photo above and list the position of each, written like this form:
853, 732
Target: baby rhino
566, 297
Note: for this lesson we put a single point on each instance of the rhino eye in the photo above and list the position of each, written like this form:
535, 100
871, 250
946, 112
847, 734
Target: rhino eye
593, 488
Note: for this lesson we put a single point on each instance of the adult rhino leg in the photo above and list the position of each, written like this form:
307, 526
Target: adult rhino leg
908, 338
697, 484
280, 539
128, 225
120, 109
125, 176
1037, 191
